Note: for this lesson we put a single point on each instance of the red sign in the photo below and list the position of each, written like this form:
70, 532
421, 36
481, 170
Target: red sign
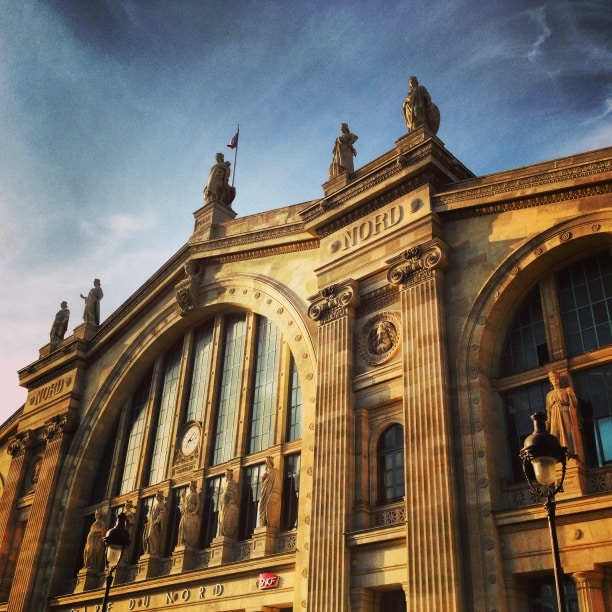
268, 581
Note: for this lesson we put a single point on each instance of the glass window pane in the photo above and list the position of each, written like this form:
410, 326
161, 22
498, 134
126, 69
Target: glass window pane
390, 457
249, 501
291, 492
200, 373
229, 391
167, 408
210, 514
264, 386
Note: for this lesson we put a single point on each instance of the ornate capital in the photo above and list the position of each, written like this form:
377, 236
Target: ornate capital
333, 302
56, 426
19, 443
416, 264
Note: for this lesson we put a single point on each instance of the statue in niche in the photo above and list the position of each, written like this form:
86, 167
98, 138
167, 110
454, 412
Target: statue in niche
270, 498
60, 324
155, 526
130, 524
343, 152
419, 110
564, 420
228, 506
218, 188
93, 555
189, 526
91, 314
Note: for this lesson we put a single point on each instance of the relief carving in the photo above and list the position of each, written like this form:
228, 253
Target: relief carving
416, 265
380, 338
187, 289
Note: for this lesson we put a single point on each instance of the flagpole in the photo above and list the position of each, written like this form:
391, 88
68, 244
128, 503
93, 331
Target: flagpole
235, 156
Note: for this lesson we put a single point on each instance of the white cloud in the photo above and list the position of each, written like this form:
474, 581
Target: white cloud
538, 15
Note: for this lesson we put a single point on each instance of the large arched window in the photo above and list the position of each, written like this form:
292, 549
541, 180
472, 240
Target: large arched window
224, 396
390, 460
575, 337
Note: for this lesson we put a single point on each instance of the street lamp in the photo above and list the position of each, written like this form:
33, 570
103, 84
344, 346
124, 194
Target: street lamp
116, 540
540, 456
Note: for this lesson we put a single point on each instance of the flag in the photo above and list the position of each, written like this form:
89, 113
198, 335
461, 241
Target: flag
234, 141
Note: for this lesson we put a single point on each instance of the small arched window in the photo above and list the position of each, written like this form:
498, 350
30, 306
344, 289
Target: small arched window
390, 458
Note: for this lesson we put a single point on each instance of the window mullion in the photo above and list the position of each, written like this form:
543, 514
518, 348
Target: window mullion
123, 434
246, 385
283, 382
551, 311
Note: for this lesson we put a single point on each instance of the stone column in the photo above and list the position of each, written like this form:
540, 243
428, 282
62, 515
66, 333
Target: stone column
20, 449
589, 588
434, 576
328, 580
29, 587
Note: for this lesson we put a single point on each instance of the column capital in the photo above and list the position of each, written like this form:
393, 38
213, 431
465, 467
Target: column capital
56, 426
333, 302
417, 263
19, 443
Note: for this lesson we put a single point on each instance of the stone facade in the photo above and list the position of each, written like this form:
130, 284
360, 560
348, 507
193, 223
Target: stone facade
383, 312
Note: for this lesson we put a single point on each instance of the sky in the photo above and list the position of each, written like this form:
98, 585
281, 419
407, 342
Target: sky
111, 112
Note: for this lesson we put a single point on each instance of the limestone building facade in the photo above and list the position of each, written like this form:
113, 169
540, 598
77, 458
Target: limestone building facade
320, 407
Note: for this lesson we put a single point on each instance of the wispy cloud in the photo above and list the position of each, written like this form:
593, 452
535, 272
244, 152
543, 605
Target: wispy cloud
538, 16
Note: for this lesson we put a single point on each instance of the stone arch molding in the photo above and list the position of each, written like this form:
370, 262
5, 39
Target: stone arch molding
255, 293
476, 364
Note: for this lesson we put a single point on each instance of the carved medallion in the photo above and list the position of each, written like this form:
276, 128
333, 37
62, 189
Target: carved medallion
380, 338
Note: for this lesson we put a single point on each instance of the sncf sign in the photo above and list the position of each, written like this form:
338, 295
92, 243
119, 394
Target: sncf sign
268, 581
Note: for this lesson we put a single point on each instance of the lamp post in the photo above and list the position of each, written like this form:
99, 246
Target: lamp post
116, 540
540, 456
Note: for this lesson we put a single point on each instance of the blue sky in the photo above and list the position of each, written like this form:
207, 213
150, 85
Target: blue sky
112, 111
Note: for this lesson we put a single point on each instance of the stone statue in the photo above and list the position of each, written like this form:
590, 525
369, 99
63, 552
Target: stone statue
60, 324
419, 110
564, 421
218, 188
130, 524
343, 152
155, 526
93, 555
228, 507
270, 498
189, 526
91, 314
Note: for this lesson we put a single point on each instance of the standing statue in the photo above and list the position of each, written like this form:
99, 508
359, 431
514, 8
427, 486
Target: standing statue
93, 555
91, 314
155, 526
130, 524
564, 421
419, 110
60, 324
218, 188
228, 506
343, 152
270, 498
189, 526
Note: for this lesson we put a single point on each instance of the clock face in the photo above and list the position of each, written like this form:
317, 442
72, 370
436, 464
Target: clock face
190, 440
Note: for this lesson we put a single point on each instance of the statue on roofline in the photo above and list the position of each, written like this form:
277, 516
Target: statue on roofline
419, 110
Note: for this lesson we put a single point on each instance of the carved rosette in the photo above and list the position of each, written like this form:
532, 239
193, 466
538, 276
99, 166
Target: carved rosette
380, 338
187, 289
416, 265
333, 302
19, 443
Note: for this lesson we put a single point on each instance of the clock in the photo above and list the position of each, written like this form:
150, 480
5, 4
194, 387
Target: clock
190, 439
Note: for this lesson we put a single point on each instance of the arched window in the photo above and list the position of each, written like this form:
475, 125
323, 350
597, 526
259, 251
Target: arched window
576, 332
390, 459
229, 376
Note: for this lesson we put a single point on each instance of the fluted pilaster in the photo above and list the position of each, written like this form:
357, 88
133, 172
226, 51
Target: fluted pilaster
333, 479
589, 588
28, 588
433, 566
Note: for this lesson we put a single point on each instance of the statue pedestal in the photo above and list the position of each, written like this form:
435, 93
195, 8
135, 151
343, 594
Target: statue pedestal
208, 220
575, 483
149, 566
221, 551
264, 542
336, 183
88, 579
85, 331
183, 559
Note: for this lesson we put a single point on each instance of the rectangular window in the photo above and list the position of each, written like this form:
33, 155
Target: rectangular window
167, 405
249, 501
264, 386
135, 440
294, 404
210, 516
229, 391
200, 373
291, 492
